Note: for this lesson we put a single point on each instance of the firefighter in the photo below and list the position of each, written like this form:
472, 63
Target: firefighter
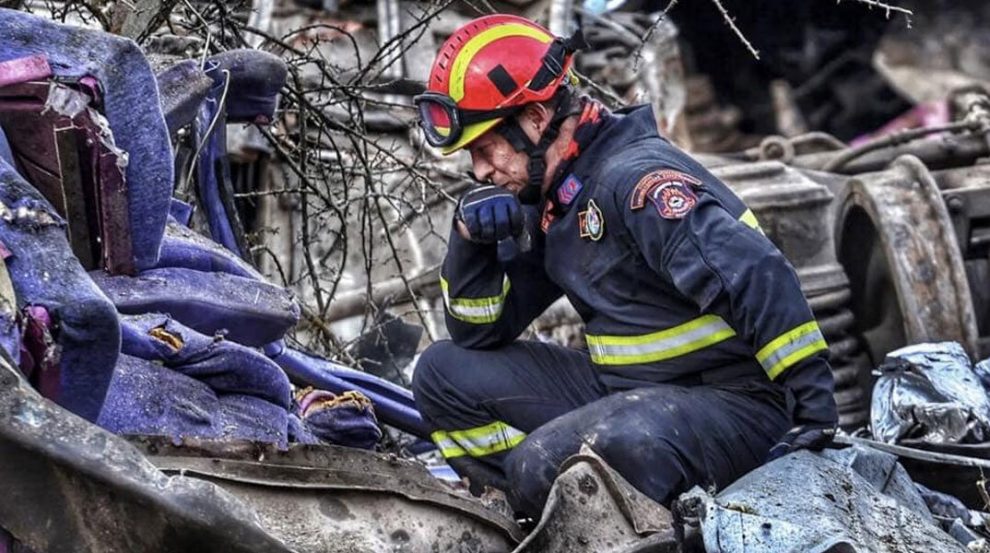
703, 358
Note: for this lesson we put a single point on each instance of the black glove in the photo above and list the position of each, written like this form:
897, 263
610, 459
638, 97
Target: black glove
814, 436
490, 214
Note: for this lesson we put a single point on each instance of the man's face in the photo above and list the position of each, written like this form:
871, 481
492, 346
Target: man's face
495, 160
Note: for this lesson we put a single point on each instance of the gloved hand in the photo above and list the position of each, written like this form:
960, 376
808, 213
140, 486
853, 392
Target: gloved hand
813, 436
490, 214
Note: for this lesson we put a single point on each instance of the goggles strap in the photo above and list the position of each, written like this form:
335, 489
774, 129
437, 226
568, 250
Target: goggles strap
555, 58
537, 166
514, 134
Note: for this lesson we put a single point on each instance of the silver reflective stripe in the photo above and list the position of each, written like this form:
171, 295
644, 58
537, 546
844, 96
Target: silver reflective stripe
478, 442
791, 348
657, 346
475, 310
498, 439
448, 448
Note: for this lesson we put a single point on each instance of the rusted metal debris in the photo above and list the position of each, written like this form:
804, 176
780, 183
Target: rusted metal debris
100, 493
851, 500
591, 508
889, 237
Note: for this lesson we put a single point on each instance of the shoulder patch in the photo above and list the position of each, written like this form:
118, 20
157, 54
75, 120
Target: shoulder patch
569, 189
669, 191
591, 222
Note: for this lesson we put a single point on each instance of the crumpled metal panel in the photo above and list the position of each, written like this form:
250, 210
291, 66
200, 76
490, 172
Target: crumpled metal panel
930, 392
338, 499
853, 501
68, 485
592, 508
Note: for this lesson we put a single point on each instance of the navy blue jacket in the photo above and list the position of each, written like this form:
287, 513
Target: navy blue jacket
666, 266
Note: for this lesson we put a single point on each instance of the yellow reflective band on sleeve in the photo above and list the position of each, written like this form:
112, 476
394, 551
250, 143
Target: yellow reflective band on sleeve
657, 346
478, 442
475, 310
791, 348
448, 448
749, 219
482, 39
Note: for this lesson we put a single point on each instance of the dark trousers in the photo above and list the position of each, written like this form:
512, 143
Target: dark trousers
663, 438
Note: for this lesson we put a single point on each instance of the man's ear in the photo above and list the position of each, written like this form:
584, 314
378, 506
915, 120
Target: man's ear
536, 117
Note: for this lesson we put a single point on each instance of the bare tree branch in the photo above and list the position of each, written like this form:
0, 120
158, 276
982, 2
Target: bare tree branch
732, 25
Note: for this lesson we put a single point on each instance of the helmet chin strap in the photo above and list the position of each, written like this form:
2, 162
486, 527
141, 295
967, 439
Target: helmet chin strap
537, 167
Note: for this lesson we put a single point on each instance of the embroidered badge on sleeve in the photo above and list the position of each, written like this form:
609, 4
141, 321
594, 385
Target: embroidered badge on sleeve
591, 222
669, 191
569, 189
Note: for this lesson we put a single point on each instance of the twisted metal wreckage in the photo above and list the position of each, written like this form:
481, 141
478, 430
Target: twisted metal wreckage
216, 432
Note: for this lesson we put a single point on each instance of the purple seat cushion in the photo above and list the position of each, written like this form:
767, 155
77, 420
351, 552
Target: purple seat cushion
225, 366
185, 248
255, 80
248, 311
183, 87
147, 398
346, 419
251, 418
44, 273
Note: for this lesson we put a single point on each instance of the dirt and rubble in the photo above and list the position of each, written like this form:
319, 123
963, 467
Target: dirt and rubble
860, 142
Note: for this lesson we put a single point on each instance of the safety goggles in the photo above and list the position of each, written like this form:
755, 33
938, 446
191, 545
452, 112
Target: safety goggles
443, 122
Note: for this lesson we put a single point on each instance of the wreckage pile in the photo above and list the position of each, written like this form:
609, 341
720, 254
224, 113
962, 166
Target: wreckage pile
856, 499
118, 299
112, 290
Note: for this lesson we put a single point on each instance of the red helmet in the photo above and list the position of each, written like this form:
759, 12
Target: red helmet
486, 70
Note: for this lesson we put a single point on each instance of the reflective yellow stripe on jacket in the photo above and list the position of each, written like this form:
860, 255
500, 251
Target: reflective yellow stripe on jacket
478, 442
748, 218
658, 346
790, 348
475, 310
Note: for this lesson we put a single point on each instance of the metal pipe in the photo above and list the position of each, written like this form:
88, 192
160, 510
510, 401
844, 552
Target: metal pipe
949, 151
